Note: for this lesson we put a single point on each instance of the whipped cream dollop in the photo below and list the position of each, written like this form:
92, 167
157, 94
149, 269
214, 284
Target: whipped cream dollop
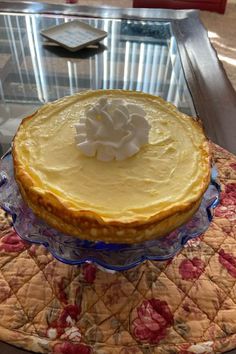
112, 129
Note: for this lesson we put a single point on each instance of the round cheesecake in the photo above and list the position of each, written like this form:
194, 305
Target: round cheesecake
141, 197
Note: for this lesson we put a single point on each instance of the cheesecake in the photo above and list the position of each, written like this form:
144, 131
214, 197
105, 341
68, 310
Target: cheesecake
112, 165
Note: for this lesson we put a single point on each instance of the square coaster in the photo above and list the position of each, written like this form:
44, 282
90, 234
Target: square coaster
74, 35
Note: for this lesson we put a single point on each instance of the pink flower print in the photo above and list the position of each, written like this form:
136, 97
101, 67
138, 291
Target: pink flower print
70, 310
233, 165
12, 243
227, 206
89, 272
226, 212
72, 334
71, 348
228, 261
65, 322
200, 348
62, 296
191, 269
154, 317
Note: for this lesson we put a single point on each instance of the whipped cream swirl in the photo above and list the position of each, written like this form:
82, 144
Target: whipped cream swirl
112, 129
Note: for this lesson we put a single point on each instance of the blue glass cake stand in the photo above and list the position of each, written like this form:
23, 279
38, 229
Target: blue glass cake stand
117, 257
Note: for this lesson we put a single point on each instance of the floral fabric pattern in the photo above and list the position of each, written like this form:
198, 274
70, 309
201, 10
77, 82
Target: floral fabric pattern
154, 317
227, 206
184, 305
191, 268
70, 348
89, 272
228, 261
12, 243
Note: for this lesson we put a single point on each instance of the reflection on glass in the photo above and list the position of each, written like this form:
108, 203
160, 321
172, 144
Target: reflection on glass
136, 55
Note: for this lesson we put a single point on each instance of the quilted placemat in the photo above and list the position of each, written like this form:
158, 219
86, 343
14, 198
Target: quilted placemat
185, 305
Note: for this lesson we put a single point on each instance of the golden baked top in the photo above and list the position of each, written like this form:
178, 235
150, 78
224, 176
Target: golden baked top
168, 174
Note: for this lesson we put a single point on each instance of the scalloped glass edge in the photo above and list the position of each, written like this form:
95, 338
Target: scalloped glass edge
114, 257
